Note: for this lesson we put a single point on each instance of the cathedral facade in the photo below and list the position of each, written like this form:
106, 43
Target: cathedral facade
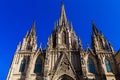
64, 58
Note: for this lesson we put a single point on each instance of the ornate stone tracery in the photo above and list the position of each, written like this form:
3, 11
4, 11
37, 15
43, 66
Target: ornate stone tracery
64, 58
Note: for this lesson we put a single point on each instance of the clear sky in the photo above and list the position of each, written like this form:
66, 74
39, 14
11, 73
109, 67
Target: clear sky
17, 16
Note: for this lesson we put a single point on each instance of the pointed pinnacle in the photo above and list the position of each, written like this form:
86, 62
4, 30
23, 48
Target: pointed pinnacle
95, 30
32, 31
87, 45
27, 34
34, 25
18, 46
62, 15
40, 45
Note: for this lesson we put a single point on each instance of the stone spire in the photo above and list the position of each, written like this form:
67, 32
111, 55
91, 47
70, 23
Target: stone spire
95, 30
63, 35
29, 42
63, 18
99, 42
33, 31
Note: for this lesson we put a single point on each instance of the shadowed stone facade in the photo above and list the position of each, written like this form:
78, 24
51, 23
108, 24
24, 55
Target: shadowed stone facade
64, 58
117, 58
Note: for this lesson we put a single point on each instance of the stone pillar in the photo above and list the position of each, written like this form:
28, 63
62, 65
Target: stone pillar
69, 36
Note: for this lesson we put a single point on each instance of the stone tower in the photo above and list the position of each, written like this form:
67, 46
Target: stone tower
64, 58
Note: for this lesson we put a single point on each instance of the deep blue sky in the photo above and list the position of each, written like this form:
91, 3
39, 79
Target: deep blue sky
17, 16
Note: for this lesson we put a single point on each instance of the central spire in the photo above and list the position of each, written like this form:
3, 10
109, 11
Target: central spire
63, 19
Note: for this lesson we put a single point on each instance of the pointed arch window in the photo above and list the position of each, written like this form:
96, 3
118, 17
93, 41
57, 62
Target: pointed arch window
22, 65
38, 65
108, 66
64, 37
54, 40
91, 65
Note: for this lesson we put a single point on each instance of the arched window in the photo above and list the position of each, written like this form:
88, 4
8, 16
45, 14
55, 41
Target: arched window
38, 65
64, 37
65, 77
108, 66
91, 66
54, 40
22, 65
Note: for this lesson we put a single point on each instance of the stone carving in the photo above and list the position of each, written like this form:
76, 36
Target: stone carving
64, 65
64, 54
82, 61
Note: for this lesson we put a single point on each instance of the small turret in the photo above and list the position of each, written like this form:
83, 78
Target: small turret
111, 47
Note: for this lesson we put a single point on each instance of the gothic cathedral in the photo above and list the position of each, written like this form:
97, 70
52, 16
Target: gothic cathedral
64, 58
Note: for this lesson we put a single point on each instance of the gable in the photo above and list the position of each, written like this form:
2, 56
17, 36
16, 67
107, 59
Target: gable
64, 67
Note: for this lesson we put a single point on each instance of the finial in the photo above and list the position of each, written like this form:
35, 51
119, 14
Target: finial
32, 31
87, 45
79, 42
63, 19
27, 34
111, 47
34, 23
40, 45
71, 26
18, 46
101, 33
